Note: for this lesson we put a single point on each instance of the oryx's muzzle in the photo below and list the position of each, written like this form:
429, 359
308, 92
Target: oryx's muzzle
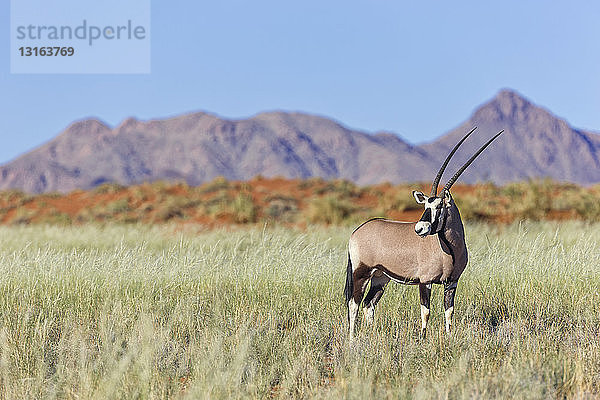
424, 225
422, 228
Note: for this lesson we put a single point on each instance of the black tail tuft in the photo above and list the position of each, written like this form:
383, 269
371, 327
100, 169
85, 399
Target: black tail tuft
349, 284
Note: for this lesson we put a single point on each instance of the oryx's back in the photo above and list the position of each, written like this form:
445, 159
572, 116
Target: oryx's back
396, 249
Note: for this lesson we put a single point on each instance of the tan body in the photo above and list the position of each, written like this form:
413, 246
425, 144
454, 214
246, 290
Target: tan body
394, 248
431, 250
381, 250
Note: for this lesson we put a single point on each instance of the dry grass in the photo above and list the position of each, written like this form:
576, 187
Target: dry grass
144, 312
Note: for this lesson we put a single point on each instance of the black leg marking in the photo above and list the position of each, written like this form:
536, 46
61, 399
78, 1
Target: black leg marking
378, 282
425, 296
374, 295
360, 277
449, 292
349, 283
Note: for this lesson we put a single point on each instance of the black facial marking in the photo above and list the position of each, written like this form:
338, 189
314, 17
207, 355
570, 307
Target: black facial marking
434, 226
426, 217
431, 199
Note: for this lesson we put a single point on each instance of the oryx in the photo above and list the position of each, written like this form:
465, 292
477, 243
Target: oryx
429, 251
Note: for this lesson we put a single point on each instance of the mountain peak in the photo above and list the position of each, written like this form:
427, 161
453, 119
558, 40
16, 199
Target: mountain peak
507, 105
510, 95
537, 143
90, 126
128, 123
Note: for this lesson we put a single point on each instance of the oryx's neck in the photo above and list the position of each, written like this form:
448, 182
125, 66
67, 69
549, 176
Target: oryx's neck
453, 232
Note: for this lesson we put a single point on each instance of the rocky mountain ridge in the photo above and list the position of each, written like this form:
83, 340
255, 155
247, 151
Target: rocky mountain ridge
198, 147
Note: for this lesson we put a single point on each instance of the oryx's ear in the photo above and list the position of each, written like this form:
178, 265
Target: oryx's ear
419, 197
447, 198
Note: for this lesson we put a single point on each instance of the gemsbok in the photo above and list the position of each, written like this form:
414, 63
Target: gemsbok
431, 250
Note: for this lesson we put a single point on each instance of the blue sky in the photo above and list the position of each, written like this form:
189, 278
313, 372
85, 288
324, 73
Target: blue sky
414, 68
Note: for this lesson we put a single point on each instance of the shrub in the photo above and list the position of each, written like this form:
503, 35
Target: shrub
23, 216
116, 206
536, 201
217, 205
243, 209
171, 206
58, 218
167, 213
109, 188
219, 183
589, 207
13, 196
329, 210
281, 208
341, 187
311, 183
396, 200
472, 208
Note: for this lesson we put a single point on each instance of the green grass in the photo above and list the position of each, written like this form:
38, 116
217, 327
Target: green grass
151, 312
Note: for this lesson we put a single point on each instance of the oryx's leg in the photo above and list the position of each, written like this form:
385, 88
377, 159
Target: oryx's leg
360, 278
378, 282
449, 291
425, 295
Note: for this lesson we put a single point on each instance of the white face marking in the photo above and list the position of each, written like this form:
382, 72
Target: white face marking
423, 228
433, 210
435, 207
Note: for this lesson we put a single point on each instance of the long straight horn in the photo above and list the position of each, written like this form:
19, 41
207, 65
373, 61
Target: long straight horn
462, 169
436, 181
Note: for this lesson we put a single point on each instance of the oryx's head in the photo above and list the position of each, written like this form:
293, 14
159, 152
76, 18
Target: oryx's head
436, 207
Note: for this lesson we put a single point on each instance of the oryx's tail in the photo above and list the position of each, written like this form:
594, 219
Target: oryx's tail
349, 283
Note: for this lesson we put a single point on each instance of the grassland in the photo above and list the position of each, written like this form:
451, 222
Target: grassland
140, 311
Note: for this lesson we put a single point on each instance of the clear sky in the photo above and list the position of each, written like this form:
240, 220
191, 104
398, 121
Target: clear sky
414, 68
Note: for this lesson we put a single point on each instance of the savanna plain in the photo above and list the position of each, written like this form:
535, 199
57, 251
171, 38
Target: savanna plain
161, 311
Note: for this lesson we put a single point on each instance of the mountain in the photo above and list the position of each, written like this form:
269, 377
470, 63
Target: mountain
535, 143
199, 147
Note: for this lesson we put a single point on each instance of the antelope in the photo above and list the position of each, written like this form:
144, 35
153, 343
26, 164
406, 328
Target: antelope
431, 250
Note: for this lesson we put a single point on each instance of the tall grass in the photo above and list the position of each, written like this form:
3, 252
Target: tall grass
151, 312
